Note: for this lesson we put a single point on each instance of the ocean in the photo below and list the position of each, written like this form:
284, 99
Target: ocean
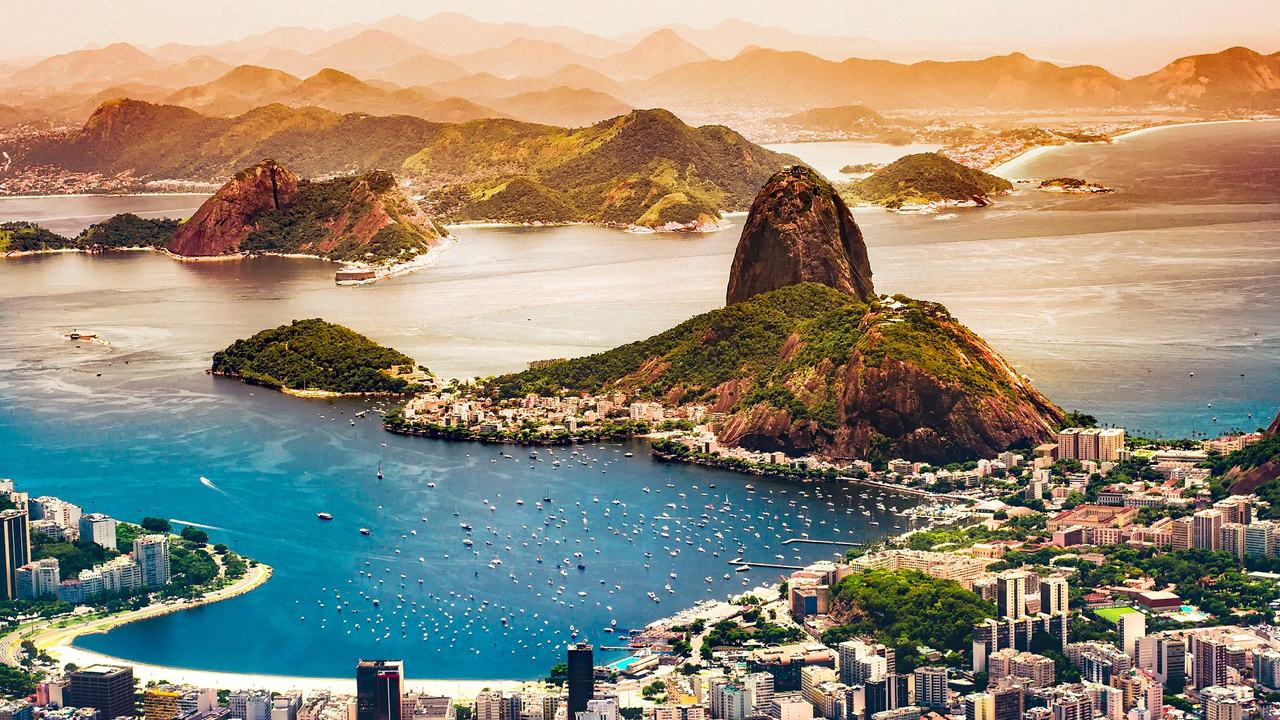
1109, 303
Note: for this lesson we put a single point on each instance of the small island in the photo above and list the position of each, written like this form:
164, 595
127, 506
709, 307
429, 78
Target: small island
1072, 185
314, 358
926, 180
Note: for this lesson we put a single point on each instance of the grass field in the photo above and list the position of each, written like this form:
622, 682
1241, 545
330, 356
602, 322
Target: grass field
1112, 615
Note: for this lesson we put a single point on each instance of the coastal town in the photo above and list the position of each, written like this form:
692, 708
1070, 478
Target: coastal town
1092, 577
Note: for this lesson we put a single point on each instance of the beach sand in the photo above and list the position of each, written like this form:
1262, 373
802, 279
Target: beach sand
457, 689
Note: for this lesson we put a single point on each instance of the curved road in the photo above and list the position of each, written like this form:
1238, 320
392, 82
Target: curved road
45, 636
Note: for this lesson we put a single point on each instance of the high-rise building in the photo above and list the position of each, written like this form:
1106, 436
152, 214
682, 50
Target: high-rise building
379, 687
1053, 595
286, 707
760, 686
931, 687
1266, 669
729, 701
39, 578
1071, 706
891, 693
497, 705
1206, 529
1131, 626
98, 528
1154, 694
1170, 666
1209, 662
250, 705
151, 553
1181, 533
15, 548
1260, 538
1221, 704
1011, 600
107, 688
581, 680
1233, 539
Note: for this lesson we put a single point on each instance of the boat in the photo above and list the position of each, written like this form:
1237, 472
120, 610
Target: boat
324, 516
379, 470
742, 568
464, 526
365, 531
431, 484
628, 455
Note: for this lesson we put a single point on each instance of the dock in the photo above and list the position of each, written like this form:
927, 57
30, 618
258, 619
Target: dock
821, 542
740, 561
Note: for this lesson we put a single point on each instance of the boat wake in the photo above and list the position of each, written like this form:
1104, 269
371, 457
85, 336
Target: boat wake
176, 521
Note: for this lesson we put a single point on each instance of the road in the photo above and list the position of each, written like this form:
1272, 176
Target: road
45, 636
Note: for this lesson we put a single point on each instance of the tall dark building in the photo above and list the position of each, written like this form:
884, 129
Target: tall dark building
107, 688
582, 681
15, 548
379, 686
888, 693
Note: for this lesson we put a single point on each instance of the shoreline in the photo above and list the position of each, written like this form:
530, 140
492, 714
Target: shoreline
106, 195
1033, 152
146, 672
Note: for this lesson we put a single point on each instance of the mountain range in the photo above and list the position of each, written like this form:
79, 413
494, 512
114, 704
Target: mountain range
705, 74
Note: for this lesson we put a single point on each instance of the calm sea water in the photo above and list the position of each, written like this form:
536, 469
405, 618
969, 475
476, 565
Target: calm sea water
1109, 303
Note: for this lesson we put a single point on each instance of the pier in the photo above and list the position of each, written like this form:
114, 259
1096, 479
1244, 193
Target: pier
740, 561
821, 542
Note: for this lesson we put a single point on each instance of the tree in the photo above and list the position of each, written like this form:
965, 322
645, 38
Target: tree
559, 674
156, 525
221, 548
195, 535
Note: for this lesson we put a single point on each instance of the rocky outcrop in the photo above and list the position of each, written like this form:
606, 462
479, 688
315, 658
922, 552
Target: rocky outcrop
226, 219
1275, 425
799, 230
266, 209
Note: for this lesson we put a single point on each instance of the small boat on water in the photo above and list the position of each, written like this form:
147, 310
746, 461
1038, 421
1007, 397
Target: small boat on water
324, 516
365, 531
379, 470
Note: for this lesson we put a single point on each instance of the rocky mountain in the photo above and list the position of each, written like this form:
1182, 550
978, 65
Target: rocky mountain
1274, 428
1236, 77
266, 208
812, 368
925, 177
799, 230
368, 51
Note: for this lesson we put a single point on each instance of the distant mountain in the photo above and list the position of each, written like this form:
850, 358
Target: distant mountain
366, 52
523, 56
484, 88
103, 66
730, 37
248, 87
845, 118
779, 80
419, 70
197, 70
925, 177
239, 91
457, 34
561, 106
581, 78
660, 51
1232, 78
644, 168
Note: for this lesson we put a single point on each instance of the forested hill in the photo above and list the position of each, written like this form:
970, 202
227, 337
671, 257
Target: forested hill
316, 355
925, 177
646, 167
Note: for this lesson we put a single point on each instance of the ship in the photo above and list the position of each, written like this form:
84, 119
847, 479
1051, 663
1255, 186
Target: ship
324, 516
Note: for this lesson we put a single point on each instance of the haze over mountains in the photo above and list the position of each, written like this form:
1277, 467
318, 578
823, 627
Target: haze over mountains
452, 68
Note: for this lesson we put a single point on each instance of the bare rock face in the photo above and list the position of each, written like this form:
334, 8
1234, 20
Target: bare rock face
226, 219
1275, 425
799, 230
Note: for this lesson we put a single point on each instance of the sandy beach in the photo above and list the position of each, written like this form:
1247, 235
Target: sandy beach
457, 689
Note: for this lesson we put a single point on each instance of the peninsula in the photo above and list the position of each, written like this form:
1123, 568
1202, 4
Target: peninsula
924, 179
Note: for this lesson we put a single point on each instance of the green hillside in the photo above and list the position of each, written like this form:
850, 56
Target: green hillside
924, 177
314, 355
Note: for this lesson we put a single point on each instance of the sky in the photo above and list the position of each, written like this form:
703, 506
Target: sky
1104, 31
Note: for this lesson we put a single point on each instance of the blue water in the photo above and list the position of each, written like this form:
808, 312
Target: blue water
1108, 303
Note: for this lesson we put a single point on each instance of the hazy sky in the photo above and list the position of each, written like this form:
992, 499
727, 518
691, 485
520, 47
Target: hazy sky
1044, 27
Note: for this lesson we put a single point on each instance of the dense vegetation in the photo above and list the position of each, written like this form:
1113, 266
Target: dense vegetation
121, 231
314, 355
924, 177
902, 607
323, 210
745, 341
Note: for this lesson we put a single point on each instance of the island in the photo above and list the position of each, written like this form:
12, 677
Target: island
314, 358
1072, 185
925, 180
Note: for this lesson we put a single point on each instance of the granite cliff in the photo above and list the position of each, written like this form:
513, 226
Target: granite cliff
799, 230
266, 208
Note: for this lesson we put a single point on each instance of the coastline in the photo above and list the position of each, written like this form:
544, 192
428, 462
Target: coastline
458, 689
